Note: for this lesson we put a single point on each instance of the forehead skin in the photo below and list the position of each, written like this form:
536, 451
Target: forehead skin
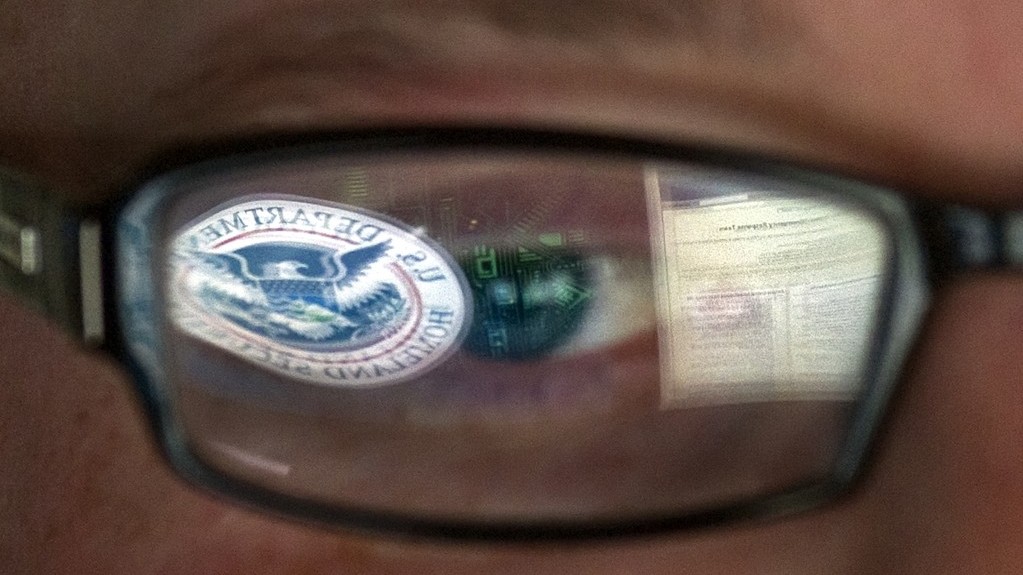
924, 94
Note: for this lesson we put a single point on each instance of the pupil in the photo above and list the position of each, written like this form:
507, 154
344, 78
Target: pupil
526, 302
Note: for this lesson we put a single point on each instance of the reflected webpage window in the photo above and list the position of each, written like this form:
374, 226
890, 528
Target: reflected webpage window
764, 293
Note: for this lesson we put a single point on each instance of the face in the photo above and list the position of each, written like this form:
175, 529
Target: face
924, 96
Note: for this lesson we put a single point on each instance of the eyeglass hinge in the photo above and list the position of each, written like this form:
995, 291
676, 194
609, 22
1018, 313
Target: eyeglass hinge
19, 245
90, 258
50, 257
1012, 239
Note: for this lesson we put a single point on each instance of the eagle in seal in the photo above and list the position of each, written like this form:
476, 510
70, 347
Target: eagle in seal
311, 290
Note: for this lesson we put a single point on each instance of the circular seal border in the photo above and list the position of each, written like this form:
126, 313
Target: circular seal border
213, 329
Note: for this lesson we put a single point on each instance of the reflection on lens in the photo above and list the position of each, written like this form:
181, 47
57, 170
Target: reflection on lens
316, 292
763, 293
527, 301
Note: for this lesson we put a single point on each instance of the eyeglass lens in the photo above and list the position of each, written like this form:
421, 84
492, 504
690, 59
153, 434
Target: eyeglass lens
499, 336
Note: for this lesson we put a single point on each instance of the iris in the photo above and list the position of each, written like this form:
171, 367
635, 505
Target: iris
528, 301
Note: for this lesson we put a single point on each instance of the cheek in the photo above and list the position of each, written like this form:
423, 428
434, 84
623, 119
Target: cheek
82, 481
948, 485
80, 478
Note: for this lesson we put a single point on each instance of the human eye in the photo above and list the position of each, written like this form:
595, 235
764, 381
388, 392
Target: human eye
558, 264
565, 304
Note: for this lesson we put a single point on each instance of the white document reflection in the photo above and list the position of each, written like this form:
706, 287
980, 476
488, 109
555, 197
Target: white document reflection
764, 293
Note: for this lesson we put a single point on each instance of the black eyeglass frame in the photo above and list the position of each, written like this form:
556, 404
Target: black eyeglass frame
64, 262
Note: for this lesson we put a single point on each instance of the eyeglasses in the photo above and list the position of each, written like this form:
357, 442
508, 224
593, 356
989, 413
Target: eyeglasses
483, 333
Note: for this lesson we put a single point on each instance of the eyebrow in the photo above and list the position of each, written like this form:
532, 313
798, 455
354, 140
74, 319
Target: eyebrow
378, 49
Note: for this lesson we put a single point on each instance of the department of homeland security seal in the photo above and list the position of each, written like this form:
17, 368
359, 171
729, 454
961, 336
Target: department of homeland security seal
324, 293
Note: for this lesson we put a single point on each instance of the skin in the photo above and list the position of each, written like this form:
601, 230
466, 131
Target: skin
921, 95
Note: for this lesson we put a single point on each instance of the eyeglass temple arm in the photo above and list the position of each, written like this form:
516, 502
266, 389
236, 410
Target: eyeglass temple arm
51, 257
